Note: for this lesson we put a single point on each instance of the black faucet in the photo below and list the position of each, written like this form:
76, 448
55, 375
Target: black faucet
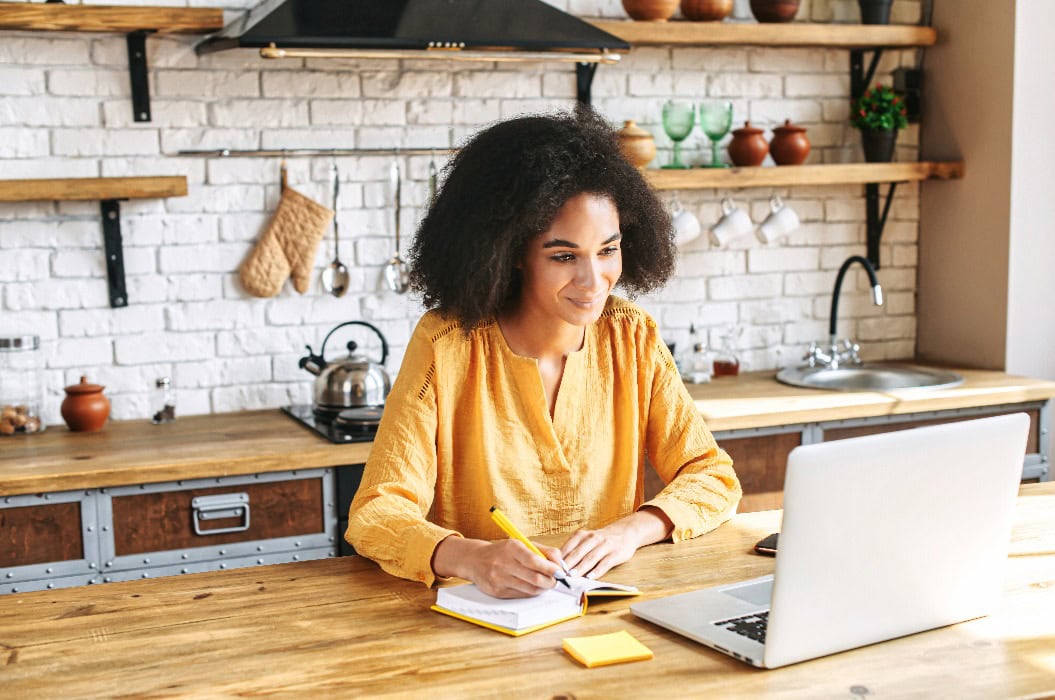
834, 355
877, 291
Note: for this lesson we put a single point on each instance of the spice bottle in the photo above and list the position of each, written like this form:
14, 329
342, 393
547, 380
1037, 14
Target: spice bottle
163, 402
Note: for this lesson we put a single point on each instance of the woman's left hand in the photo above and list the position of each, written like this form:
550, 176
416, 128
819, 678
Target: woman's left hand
593, 553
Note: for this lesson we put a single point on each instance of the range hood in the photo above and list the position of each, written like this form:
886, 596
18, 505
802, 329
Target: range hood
490, 30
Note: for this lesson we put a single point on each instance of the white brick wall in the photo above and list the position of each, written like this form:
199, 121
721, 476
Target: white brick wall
65, 112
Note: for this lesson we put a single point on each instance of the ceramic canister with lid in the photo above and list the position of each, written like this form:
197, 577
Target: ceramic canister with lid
85, 409
789, 145
748, 147
21, 385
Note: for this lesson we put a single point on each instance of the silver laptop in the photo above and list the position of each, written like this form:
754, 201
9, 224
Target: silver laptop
882, 536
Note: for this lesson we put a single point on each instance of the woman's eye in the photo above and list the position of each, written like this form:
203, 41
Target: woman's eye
610, 250
562, 257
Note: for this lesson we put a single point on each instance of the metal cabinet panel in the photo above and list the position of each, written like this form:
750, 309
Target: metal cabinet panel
30, 524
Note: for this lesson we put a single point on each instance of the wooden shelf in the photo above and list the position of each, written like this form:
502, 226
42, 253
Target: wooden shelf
105, 18
846, 36
108, 191
93, 188
792, 175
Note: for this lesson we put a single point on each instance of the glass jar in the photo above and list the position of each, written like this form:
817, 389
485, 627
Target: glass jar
21, 385
695, 363
726, 360
163, 402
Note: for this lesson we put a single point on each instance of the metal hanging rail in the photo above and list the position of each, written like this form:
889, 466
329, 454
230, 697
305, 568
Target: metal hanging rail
312, 152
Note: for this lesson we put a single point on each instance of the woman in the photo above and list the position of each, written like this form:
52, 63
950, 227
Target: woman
527, 385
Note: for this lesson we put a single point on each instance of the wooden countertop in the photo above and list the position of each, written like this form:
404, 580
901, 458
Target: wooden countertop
192, 447
757, 400
342, 628
137, 452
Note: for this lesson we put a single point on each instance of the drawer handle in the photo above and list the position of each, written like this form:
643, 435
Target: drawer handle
225, 505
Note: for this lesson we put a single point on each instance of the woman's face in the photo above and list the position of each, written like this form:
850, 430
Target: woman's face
569, 270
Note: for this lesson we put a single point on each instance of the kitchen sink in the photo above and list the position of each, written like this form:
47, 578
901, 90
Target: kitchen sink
869, 377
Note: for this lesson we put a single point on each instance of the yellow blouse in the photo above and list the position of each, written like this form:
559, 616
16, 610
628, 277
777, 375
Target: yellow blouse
466, 426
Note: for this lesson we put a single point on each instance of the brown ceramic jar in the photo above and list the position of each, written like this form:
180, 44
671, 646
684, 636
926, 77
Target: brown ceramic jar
636, 144
748, 146
706, 10
650, 10
789, 145
774, 10
85, 409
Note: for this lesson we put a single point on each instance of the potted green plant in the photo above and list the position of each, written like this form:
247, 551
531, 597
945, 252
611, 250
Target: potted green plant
879, 113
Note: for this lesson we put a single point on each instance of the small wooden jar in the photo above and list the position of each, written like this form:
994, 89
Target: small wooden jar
85, 409
650, 10
636, 144
706, 10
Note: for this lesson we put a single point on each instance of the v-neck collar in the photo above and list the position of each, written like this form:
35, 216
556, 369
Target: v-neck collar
549, 432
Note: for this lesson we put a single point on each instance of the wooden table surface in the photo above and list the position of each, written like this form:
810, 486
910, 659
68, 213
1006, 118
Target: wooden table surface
343, 628
250, 442
756, 400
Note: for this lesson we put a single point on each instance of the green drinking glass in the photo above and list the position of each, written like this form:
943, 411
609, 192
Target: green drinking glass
679, 118
716, 118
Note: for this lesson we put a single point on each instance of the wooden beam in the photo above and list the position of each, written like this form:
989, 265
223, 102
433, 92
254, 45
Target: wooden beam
793, 175
849, 36
106, 18
93, 188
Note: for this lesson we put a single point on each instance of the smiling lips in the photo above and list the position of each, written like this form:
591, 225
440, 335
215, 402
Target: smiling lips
586, 303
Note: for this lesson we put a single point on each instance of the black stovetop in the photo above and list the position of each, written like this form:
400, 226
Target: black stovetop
305, 415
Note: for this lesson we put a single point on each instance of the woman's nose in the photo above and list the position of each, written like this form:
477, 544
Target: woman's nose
587, 273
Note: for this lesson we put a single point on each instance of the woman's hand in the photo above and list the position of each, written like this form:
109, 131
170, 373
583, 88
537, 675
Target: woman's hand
592, 553
504, 569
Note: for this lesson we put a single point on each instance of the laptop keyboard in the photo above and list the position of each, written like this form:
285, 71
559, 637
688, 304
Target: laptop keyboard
752, 626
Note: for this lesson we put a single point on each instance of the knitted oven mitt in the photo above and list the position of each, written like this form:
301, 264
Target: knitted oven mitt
287, 247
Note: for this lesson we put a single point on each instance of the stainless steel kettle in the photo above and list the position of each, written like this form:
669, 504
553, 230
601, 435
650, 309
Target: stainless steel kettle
352, 382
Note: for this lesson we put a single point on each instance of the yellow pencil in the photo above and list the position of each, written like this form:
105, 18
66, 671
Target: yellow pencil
510, 529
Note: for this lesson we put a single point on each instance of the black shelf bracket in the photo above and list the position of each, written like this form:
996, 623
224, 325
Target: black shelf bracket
137, 71
859, 78
874, 221
584, 73
115, 258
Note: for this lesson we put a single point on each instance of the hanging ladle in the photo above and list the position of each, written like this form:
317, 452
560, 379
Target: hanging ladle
335, 276
396, 275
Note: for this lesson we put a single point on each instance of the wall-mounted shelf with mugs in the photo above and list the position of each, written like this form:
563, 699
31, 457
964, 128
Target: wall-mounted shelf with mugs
868, 174
109, 191
799, 175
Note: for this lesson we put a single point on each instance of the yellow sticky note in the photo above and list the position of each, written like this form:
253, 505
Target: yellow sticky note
604, 649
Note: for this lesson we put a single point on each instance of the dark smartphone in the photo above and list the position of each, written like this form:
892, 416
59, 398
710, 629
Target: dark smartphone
768, 545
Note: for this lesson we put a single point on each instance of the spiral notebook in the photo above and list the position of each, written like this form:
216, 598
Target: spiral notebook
518, 616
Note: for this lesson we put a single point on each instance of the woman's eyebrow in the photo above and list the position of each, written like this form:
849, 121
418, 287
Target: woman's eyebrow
561, 243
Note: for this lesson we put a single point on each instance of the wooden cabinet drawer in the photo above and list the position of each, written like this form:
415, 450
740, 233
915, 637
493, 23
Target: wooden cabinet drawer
150, 522
177, 523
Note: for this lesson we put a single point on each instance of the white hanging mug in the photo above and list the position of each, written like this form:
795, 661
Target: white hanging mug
734, 223
686, 225
781, 221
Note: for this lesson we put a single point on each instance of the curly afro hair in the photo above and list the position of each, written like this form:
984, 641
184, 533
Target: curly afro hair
506, 186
